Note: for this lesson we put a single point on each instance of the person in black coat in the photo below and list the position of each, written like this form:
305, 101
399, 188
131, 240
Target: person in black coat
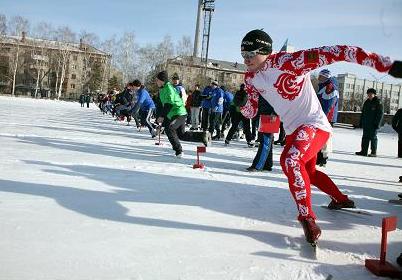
397, 126
240, 99
82, 100
87, 99
370, 121
124, 103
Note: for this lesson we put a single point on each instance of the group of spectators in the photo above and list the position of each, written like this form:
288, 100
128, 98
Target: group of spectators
85, 98
213, 113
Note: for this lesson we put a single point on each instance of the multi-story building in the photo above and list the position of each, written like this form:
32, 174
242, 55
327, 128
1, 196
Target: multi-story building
192, 71
47, 68
352, 93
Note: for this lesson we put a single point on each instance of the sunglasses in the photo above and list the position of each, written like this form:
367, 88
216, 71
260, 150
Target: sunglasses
250, 54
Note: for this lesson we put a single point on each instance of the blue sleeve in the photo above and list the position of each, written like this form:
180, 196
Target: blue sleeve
142, 96
140, 99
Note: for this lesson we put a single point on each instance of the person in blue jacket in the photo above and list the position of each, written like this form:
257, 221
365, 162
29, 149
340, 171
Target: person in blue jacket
144, 107
227, 100
216, 110
206, 96
328, 96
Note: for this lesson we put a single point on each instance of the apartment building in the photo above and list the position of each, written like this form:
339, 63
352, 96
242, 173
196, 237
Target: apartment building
352, 93
54, 69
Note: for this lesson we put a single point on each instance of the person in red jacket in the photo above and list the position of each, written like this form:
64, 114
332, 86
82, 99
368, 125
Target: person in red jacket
187, 105
283, 79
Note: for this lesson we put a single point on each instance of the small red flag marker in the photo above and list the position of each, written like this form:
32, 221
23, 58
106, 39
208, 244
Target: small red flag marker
381, 267
198, 164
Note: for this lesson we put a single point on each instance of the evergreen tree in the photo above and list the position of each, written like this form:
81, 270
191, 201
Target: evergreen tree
114, 82
96, 78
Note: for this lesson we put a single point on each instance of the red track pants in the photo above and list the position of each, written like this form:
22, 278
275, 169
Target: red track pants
298, 161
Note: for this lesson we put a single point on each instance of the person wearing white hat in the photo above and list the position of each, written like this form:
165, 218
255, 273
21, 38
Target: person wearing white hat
328, 96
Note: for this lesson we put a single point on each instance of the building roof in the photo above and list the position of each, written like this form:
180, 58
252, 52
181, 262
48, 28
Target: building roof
213, 64
51, 44
226, 65
354, 76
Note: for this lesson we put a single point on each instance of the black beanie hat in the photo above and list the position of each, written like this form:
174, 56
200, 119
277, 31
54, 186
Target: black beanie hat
371, 90
257, 40
136, 83
163, 76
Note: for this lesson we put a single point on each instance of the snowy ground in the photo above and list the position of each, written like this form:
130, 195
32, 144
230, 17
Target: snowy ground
84, 197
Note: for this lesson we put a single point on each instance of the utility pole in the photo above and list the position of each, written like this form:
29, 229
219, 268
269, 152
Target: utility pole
197, 31
208, 8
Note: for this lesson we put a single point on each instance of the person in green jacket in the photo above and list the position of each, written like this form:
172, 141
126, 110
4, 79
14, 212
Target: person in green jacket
175, 115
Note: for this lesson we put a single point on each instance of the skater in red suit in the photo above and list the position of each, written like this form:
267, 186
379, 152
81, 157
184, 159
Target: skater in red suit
283, 79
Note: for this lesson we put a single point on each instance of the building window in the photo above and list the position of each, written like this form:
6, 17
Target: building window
74, 67
72, 86
75, 58
73, 76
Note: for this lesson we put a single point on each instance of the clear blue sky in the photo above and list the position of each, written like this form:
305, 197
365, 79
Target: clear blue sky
375, 25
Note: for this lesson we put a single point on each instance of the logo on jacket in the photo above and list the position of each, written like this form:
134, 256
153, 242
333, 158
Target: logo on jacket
288, 86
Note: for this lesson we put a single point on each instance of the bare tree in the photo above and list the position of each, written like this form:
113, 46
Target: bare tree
126, 55
105, 73
43, 30
64, 57
148, 58
184, 47
17, 25
3, 24
65, 34
4, 59
184, 53
89, 38
151, 56
87, 64
93, 73
15, 63
3, 30
110, 46
40, 58
165, 49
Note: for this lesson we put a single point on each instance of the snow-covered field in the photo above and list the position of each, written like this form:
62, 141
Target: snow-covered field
85, 197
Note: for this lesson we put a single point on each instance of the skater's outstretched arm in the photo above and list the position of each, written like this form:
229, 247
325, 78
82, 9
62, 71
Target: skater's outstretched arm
302, 62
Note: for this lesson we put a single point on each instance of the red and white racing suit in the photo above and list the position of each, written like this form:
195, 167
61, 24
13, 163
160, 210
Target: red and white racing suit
284, 81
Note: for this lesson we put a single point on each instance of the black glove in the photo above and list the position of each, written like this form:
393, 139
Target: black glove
396, 69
